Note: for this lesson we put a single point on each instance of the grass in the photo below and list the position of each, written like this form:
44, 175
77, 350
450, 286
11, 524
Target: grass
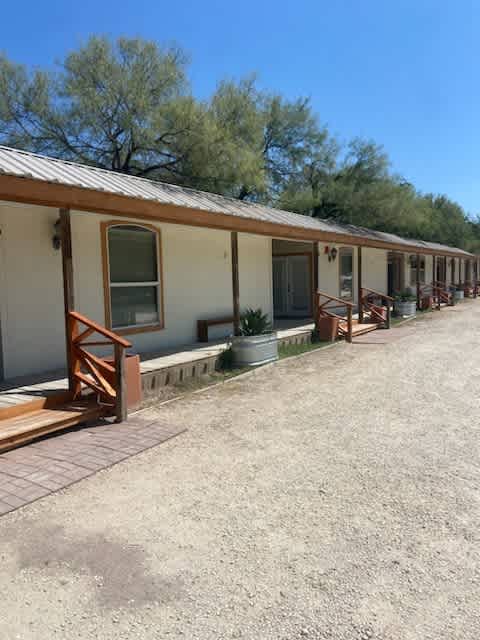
290, 350
228, 372
394, 320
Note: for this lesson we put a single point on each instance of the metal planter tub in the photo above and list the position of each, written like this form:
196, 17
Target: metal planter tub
407, 308
250, 351
458, 294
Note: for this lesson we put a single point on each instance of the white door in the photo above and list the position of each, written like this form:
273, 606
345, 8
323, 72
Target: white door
292, 286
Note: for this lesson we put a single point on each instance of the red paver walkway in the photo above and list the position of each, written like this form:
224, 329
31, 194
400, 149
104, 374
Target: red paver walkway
44, 466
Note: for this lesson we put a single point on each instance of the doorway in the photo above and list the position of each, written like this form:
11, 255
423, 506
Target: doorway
292, 286
441, 274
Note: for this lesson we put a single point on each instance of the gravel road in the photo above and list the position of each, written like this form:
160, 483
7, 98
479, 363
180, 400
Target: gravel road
333, 496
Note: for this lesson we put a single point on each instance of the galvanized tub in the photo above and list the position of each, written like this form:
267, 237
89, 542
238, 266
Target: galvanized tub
250, 351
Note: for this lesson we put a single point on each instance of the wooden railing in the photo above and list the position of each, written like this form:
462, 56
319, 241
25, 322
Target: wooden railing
425, 291
324, 303
104, 376
378, 313
468, 289
442, 293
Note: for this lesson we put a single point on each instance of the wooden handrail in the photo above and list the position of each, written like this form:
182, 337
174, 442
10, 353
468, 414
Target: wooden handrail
377, 293
88, 370
442, 294
322, 311
97, 328
342, 302
376, 313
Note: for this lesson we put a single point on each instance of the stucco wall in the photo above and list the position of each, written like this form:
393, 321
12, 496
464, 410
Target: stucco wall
255, 272
328, 272
31, 291
375, 269
197, 278
411, 283
197, 283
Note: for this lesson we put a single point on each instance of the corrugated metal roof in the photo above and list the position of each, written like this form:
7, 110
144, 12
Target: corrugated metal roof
24, 164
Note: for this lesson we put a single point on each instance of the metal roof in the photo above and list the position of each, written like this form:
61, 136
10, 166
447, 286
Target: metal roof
24, 164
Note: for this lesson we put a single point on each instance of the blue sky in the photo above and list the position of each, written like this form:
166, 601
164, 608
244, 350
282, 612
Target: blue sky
403, 72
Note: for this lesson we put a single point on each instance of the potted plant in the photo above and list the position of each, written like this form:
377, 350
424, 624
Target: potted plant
257, 342
405, 304
327, 328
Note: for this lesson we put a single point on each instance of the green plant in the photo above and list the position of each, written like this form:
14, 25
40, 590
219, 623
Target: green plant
225, 360
405, 296
254, 322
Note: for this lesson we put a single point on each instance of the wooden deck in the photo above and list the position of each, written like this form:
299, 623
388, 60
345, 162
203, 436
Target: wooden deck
33, 424
33, 390
359, 329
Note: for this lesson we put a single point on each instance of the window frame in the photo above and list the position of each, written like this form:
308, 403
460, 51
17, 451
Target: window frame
351, 251
107, 285
413, 268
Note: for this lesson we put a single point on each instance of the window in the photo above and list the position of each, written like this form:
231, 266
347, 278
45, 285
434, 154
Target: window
346, 273
134, 284
413, 270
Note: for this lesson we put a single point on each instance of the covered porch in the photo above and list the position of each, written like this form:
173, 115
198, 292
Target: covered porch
93, 265
29, 404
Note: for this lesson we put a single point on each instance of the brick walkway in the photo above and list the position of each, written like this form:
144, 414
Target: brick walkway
47, 465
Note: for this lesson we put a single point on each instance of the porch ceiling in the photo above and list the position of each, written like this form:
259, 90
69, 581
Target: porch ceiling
31, 178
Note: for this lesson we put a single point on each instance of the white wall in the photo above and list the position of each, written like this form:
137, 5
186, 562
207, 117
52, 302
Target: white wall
255, 272
375, 269
197, 283
31, 291
197, 278
329, 272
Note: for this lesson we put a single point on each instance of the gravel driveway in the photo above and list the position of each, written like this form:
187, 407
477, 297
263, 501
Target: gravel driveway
331, 496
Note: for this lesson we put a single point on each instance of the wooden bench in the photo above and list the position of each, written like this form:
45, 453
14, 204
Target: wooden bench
203, 325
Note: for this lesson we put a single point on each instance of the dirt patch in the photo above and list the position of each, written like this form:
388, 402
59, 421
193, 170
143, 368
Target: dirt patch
121, 571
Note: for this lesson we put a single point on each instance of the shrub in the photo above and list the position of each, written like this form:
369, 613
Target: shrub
254, 323
225, 360
405, 296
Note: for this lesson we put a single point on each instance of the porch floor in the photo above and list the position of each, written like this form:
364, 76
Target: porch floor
25, 389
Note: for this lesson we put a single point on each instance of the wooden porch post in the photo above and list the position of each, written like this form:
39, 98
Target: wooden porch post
417, 276
121, 409
235, 283
315, 282
473, 277
68, 294
452, 268
436, 293
359, 284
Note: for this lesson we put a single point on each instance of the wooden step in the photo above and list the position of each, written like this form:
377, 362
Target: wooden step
24, 428
19, 406
360, 328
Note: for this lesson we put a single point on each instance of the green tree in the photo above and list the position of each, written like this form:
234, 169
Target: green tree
274, 138
127, 106
123, 106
